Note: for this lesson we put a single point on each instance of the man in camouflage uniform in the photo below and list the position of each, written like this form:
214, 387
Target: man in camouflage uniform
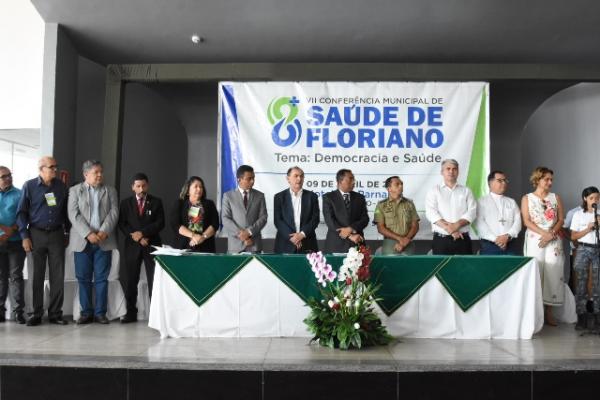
397, 219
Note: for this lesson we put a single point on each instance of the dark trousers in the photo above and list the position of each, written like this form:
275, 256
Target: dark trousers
446, 245
585, 257
12, 257
129, 274
491, 249
50, 247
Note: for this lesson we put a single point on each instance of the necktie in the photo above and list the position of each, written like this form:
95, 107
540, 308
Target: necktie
245, 199
140, 207
347, 201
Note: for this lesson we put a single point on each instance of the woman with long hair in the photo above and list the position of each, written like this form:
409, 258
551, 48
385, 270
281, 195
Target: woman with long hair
194, 218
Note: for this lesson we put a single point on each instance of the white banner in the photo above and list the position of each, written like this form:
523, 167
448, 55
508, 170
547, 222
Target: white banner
376, 129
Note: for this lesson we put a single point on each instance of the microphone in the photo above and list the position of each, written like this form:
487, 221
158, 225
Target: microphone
594, 206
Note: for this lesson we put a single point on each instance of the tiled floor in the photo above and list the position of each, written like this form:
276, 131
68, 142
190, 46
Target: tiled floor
135, 345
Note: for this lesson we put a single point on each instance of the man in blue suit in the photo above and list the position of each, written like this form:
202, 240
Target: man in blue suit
296, 215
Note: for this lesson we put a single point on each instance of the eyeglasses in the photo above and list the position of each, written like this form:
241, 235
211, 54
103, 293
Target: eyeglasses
502, 180
6, 176
54, 167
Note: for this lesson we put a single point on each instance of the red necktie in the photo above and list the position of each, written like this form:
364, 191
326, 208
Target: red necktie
140, 207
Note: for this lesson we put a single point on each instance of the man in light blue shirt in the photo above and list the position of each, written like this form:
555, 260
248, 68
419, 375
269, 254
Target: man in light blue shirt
94, 212
12, 254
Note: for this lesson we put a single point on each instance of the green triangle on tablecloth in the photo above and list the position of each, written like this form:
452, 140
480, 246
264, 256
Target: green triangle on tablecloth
401, 277
469, 278
295, 272
201, 276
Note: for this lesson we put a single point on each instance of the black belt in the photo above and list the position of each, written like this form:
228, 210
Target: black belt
465, 234
593, 246
489, 241
48, 230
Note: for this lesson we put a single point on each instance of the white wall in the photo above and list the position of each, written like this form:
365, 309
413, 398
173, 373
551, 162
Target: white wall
563, 135
21, 54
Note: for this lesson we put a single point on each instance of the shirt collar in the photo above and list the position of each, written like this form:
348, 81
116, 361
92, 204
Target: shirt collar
448, 187
242, 191
40, 181
496, 196
343, 193
296, 195
400, 200
88, 186
9, 189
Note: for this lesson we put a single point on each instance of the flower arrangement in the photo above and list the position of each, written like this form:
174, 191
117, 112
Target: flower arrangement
345, 317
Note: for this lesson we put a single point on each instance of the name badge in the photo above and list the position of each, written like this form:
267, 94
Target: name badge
50, 199
193, 212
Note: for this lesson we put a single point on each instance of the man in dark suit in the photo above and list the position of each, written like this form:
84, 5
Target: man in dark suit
296, 216
345, 213
141, 218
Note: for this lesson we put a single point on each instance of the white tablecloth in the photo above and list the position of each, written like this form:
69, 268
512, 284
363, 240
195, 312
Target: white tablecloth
255, 303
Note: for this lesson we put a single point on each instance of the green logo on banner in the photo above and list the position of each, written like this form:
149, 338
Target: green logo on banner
282, 113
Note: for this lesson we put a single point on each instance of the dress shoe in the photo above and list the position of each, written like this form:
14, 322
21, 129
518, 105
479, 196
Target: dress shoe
2, 317
57, 321
85, 319
128, 318
20, 319
34, 321
101, 319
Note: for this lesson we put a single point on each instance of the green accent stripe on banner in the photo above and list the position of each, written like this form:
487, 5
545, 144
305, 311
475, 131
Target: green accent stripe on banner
401, 277
202, 276
479, 164
470, 278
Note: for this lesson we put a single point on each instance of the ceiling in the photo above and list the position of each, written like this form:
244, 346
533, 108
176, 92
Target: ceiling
26, 137
420, 31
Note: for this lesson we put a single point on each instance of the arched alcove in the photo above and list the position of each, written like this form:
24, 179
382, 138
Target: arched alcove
563, 135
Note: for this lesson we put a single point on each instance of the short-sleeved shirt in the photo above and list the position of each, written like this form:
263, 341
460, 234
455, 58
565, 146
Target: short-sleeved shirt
580, 222
9, 201
397, 216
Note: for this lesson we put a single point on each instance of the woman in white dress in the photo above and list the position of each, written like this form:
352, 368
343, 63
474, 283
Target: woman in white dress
543, 216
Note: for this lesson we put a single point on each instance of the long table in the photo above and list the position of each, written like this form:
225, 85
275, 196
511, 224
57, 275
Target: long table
466, 297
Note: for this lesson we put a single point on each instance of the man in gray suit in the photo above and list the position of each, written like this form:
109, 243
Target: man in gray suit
345, 213
244, 214
94, 213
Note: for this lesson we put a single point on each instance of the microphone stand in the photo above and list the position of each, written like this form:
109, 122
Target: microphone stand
597, 234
